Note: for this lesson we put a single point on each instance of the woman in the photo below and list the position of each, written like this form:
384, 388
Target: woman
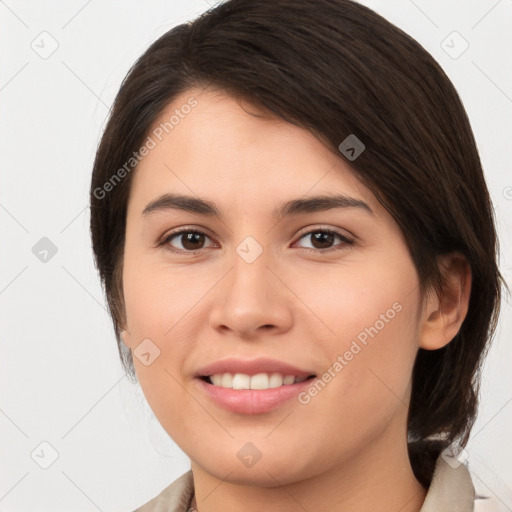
290, 219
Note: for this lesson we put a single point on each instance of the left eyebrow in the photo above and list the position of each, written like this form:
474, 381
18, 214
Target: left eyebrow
320, 203
292, 207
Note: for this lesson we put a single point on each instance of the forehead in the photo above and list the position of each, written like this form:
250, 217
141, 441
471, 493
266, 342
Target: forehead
210, 144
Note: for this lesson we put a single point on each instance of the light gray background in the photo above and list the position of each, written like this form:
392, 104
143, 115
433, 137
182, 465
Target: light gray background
61, 380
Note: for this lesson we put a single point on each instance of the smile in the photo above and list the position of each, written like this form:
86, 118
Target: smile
240, 398
258, 381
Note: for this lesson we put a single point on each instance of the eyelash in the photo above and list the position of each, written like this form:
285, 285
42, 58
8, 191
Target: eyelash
346, 240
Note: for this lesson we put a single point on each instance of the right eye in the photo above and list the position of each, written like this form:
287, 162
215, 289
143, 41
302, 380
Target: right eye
191, 240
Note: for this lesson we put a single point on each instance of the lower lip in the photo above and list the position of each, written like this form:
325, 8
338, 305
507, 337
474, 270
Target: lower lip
252, 401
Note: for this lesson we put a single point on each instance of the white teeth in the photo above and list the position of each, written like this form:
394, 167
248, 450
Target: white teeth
289, 379
241, 381
217, 379
275, 380
258, 381
226, 380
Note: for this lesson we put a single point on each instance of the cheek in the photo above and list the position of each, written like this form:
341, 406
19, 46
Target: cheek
365, 320
158, 297
162, 306
358, 299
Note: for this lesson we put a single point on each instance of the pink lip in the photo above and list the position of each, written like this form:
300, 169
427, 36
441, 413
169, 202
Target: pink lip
252, 401
251, 367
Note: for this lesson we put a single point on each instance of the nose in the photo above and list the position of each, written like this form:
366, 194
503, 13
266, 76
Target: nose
252, 300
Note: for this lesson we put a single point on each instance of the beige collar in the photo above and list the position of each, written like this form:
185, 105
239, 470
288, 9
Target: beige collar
451, 489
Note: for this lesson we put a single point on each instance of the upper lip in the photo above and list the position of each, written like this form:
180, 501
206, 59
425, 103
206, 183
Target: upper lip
251, 367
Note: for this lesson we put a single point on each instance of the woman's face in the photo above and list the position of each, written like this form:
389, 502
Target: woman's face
325, 290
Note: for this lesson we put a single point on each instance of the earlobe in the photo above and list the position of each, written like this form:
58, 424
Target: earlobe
443, 315
126, 337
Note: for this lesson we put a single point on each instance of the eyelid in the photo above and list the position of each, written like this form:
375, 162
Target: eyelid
319, 227
179, 231
347, 239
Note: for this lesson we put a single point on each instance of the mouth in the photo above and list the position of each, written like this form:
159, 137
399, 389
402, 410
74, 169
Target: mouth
259, 381
252, 386
252, 394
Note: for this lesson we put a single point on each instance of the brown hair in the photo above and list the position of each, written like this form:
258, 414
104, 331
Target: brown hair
336, 68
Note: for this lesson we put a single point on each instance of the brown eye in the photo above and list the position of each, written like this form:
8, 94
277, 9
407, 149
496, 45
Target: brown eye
190, 240
323, 239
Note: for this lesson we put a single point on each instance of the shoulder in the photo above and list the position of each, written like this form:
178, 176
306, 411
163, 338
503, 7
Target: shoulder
493, 494
175, 497
451, 488
456, 487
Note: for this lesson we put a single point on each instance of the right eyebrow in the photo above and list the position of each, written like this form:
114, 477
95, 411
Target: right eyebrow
182, 202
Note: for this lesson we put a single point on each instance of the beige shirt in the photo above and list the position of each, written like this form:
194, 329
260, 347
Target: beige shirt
451, 490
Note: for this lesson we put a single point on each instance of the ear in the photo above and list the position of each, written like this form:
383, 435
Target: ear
127, 338
442, 315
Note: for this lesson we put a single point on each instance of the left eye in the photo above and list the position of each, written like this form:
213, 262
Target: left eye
321, 238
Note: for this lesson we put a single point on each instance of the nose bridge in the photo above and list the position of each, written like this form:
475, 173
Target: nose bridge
251, 296
250, 274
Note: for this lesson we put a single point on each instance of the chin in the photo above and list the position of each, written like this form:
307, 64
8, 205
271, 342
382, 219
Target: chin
269, 470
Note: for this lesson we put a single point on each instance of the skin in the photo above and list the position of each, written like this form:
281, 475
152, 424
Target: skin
346, 449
